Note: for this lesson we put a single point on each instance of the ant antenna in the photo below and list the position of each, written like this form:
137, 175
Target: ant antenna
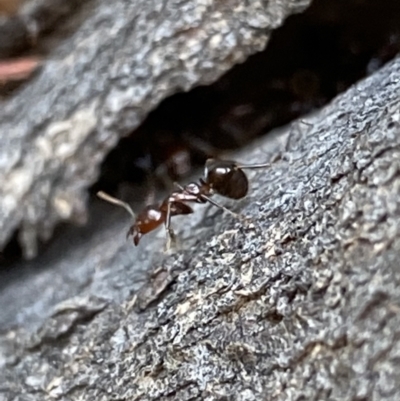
306, 123
251, 166
115, 201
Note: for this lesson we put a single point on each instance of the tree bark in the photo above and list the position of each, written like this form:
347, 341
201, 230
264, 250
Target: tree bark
298, 301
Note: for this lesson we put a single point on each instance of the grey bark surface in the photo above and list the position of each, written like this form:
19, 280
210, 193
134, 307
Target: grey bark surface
300, 301
100, 83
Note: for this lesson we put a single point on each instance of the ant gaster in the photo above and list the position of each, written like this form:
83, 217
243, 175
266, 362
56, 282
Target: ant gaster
222, 177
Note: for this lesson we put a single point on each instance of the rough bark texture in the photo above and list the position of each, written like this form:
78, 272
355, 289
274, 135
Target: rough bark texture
300, 301
100, 83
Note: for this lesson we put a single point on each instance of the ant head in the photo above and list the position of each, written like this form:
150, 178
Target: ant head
226, 178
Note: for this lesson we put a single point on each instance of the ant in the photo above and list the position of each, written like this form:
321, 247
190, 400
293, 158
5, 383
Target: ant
222, 177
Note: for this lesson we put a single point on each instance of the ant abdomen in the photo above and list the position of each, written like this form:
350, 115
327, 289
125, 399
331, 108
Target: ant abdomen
226, 179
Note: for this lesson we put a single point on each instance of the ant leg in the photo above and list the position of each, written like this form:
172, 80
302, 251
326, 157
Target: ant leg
162, 174
306, 123
151, 189
252, 166
169, 231
213, 202
179, 186
292, 131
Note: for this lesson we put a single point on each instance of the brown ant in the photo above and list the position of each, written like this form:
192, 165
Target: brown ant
222, 177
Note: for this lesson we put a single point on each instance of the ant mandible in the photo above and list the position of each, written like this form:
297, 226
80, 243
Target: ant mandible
222, 177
